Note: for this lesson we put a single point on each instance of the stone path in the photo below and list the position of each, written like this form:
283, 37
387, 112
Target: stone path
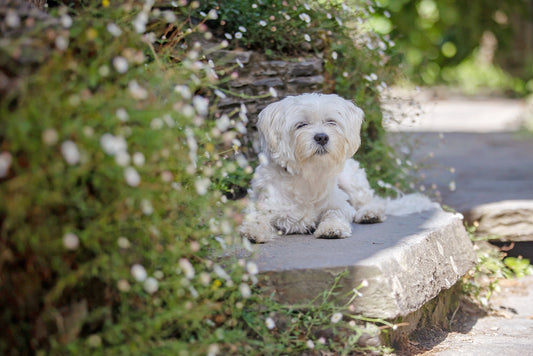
483, 168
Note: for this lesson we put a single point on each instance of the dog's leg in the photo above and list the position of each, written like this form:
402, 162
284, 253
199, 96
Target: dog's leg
353, 181
333, 225
257, 226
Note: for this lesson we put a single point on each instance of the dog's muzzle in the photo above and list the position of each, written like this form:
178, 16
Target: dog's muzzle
322, 140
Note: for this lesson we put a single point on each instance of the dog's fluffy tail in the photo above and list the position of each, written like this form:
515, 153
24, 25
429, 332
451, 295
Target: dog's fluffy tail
409, 204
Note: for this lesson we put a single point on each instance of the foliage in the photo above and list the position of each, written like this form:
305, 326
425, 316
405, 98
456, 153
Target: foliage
111, 154
321, 326
492, 265
435, 39
108, 223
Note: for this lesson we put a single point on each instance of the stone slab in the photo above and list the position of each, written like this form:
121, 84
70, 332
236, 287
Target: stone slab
510, 220
406, 260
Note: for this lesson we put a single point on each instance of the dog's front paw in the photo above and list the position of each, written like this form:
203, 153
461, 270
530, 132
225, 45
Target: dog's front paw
257, 231
333, 229
370, 214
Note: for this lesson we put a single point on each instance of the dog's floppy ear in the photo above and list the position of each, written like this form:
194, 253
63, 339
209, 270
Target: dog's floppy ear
273, 133
353, 119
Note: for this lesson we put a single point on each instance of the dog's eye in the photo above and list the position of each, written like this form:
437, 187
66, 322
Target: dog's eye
331, 122
301, 124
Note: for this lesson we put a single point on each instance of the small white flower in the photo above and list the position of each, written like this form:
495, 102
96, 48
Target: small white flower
273, 92
151, 285
254, 6
238, 35
245, 290
121, 64
113, 29
123, 285
452, 186
304, 17
146, 207
201, 104
5, 163
137, 91
212, 15
187, 268
122, 114
228, 36
223, 123
251, 267
307, 37
66, 21
50, 137
113, 144
122, 158
88, 131
138, 272
242, 29
71, 241
205, 278
335, 318
262, 23
156, 124
138, 159
221, 273
334, 55
213, 350
12, 19
103, 71
123, 242
364, 283
220, 94
132, 177
140, 22
70, 152
322, 341
310, 344
61, 43
184, 91
202, 185
166, 176
270, 324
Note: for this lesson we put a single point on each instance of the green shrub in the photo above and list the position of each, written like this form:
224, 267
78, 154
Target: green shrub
108, 223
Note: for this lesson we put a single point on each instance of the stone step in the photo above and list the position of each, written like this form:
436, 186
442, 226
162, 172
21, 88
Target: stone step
406, 260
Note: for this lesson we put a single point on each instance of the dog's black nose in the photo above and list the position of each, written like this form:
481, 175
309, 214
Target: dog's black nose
321, 138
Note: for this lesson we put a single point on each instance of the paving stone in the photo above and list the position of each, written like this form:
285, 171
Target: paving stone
406, 260
510, 220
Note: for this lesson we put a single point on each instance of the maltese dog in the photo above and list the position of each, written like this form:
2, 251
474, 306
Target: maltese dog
307, 181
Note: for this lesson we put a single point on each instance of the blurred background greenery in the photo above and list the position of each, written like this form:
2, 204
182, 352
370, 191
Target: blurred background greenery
474, 45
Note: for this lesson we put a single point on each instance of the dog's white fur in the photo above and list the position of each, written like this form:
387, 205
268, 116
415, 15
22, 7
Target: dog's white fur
307, 181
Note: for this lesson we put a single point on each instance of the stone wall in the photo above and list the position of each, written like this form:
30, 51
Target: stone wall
258, 74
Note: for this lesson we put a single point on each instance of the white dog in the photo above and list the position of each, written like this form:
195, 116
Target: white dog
307, 181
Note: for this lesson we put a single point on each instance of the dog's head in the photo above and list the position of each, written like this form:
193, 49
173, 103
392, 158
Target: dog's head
310, 129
